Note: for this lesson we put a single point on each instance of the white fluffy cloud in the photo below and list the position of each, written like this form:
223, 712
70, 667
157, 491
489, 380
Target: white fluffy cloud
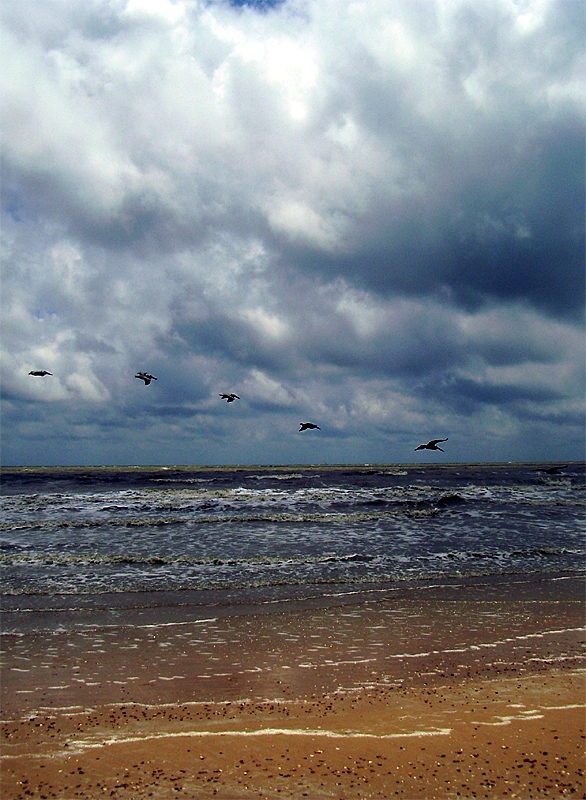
369, 213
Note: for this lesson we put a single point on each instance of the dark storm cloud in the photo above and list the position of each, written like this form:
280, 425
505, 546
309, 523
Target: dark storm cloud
499, 215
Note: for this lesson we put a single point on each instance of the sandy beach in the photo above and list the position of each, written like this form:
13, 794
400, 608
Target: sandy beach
472, 690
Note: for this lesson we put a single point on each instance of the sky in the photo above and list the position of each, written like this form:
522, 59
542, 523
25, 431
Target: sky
368, 214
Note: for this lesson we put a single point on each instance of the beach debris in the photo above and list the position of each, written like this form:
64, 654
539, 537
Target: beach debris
229, 398
40, 373
432, 445
146, 377
308, 426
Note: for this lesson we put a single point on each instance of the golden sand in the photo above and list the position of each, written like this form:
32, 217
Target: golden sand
407, 696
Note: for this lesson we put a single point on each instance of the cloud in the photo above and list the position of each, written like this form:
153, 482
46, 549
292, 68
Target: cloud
374, 215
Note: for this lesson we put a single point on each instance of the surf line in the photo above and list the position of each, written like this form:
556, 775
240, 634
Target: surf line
81, 745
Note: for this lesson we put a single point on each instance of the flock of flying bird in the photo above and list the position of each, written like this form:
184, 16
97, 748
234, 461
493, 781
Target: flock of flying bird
230, 397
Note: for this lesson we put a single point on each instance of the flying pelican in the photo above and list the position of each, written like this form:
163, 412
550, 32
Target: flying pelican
40, 372
144, 376
229, 398
308, 426
432, 445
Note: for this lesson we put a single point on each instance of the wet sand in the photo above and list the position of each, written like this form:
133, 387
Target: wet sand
452, 691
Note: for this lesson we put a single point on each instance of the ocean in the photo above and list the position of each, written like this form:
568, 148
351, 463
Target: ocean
91, 546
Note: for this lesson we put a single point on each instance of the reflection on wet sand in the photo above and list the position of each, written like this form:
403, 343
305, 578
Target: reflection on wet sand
414, 696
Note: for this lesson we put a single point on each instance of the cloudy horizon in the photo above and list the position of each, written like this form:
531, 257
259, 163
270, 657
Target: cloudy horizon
365, 215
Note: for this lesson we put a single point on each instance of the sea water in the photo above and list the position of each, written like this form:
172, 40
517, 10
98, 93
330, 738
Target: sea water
79, 546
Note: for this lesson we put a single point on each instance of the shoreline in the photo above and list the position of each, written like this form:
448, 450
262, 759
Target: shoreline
28, 613
461, 690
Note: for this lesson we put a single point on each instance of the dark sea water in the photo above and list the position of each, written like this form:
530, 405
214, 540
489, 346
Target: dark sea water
80, 546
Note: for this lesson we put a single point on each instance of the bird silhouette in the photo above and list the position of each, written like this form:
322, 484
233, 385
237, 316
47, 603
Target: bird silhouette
144, 376
308, 426
229, 398
432, 445
40, 372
